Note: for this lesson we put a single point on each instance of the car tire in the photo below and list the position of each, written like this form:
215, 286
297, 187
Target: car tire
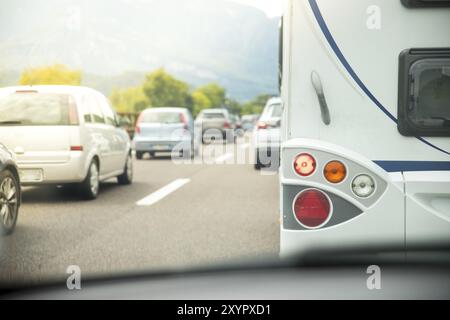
127, 176
91, 184
9, 201
230, 137
139, 155
258, 164
193, 152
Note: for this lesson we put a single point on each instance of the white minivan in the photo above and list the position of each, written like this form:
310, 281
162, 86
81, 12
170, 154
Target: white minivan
64, 135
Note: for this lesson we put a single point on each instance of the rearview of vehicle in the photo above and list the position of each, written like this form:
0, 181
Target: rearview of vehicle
64, 135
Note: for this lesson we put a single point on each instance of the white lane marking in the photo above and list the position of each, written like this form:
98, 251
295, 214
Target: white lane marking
162, 193
224, 157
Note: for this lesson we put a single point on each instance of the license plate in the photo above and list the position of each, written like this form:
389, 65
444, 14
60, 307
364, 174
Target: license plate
30, 175
160, 147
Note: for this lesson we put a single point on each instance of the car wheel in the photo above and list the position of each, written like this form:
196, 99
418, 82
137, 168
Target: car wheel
91, 185
193, 152
230, 137
9, 202
139, 155
127, 176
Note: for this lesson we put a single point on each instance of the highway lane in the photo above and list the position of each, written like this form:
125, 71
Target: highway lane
198, 214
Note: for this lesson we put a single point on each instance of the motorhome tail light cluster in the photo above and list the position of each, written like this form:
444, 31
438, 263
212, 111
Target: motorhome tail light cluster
304, 164
363, 185
312, 208
335, 171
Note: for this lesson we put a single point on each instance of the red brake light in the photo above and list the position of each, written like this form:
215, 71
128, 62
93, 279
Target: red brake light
304, 164
184, 121
262, 125
26, 91
76, 148
226, 125
137, 128
312, 208
73, 113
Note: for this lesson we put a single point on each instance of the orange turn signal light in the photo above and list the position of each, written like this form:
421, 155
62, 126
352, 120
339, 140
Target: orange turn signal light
335, 171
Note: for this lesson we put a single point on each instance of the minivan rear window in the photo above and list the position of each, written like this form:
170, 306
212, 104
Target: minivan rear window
212, 115
36, 109
274, 110
161, 117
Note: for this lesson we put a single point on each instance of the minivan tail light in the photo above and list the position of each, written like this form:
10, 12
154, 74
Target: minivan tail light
304, 164
312, 208
26, 91
76, 148
184, 121
226, 125
73, 113
137, 128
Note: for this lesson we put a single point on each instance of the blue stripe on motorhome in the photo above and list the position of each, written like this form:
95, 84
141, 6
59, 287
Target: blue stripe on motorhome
401, 166
326, 32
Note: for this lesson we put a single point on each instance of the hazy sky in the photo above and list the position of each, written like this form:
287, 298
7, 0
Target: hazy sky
271, 7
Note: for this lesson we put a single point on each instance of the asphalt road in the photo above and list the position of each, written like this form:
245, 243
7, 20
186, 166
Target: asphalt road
219, 213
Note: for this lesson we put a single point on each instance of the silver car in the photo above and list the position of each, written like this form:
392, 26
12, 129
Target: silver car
215, 123
164, 130
267, 135
64, 135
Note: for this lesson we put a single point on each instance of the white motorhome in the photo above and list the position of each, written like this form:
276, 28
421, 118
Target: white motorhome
365, 156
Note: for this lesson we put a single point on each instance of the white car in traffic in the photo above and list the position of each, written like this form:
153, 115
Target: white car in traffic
266, 135
64, 135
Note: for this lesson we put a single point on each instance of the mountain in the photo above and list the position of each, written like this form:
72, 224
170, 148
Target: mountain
116, 42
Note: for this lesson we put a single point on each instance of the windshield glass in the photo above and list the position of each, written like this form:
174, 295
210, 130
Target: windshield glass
161, 117
35, 109
168, 135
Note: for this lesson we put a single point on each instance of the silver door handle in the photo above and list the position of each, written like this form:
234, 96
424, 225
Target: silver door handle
317, 84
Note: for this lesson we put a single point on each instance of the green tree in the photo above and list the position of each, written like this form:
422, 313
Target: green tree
234, 106
214, 92
129, 99
256, 105
55, 74
200, 101
164, 90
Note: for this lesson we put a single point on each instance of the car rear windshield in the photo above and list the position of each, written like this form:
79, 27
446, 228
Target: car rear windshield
273, 111
35, 109
161, 117
212, 115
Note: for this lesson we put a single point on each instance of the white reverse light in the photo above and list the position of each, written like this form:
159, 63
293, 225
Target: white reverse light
363, 186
